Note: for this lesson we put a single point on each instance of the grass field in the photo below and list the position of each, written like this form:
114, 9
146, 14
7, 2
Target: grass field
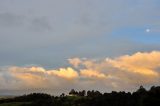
14, 104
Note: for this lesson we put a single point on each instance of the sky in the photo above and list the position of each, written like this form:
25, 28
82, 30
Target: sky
55, 45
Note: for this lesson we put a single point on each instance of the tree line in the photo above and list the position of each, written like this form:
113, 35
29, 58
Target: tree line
141, 97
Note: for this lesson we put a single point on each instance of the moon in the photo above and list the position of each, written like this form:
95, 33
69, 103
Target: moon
148, 30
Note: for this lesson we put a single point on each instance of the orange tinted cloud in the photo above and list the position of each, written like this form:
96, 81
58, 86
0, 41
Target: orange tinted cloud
67, 73
75, 61
141, 68
35, 77
91, 73
124, 72
140, 63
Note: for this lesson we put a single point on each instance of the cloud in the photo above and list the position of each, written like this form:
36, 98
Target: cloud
58, 29
23, 78
14, 20
121, 73
127, 71
67, 73
140, 63
39, 24
11, 20
91, 73
71, 26
75, 62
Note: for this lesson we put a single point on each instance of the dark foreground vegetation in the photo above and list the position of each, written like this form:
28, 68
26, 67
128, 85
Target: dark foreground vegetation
141, 97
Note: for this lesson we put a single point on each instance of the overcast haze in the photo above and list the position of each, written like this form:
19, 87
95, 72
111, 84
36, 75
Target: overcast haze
56, 45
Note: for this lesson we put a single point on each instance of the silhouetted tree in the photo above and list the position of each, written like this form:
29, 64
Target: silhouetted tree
73, 92
82, 93
141, 97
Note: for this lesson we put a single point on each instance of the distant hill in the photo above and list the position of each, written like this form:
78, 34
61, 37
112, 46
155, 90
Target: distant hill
6, 96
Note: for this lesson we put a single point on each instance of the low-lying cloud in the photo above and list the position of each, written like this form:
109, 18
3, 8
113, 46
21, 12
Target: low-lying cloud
121, 73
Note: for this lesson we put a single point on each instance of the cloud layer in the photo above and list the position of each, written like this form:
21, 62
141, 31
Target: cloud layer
42, 31
121, 73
